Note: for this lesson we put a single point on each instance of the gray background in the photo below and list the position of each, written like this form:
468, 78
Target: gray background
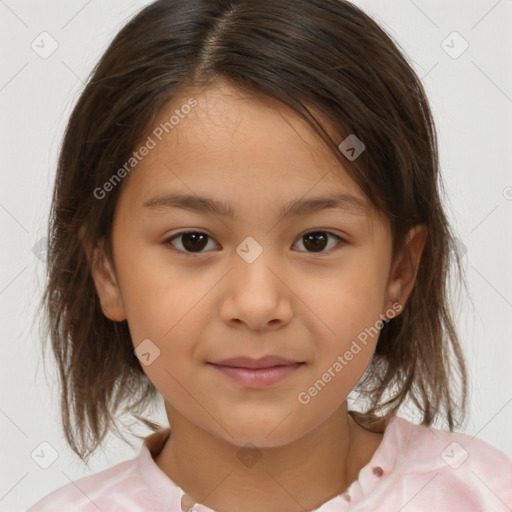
471, 96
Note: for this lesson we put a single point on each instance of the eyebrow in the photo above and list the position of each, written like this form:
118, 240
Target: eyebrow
341, 201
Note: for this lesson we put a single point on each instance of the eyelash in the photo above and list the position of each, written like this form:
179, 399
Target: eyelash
181, 233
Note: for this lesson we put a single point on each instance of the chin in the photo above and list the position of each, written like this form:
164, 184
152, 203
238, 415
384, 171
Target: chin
263, 434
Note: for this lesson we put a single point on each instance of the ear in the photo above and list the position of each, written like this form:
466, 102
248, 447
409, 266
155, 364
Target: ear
106, 284
405, 266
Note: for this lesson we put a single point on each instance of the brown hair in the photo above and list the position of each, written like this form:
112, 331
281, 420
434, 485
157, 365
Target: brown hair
315, 56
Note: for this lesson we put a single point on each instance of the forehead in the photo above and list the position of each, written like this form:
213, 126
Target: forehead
243, 144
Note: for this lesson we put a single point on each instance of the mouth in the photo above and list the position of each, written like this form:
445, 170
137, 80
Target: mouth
257, 373
252, 363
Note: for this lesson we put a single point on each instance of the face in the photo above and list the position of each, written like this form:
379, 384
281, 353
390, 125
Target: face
198, 285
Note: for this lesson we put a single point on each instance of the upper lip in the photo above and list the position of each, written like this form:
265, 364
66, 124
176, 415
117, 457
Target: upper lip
249, 362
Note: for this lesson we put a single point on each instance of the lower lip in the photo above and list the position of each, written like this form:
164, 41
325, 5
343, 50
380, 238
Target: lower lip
258, 377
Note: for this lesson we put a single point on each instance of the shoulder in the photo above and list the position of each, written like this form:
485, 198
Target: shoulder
99, 491
135, 485
450, 466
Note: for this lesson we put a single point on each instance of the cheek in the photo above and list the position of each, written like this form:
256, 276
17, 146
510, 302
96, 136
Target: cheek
344, 302
166, 312
346, 322
157, 296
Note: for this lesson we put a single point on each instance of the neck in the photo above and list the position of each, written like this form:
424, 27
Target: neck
298, 476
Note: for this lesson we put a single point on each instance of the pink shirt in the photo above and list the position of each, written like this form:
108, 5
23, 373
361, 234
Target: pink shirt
415, 468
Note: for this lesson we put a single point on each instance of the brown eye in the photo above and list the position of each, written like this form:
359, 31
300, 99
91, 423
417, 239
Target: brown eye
317, 241
191, 241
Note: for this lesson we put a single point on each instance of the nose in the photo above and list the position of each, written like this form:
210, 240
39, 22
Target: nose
257, 294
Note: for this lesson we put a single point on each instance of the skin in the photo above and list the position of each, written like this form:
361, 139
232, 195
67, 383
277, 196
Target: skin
292, 301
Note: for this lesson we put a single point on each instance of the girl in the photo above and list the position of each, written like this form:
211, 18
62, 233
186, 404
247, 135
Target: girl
247, 222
